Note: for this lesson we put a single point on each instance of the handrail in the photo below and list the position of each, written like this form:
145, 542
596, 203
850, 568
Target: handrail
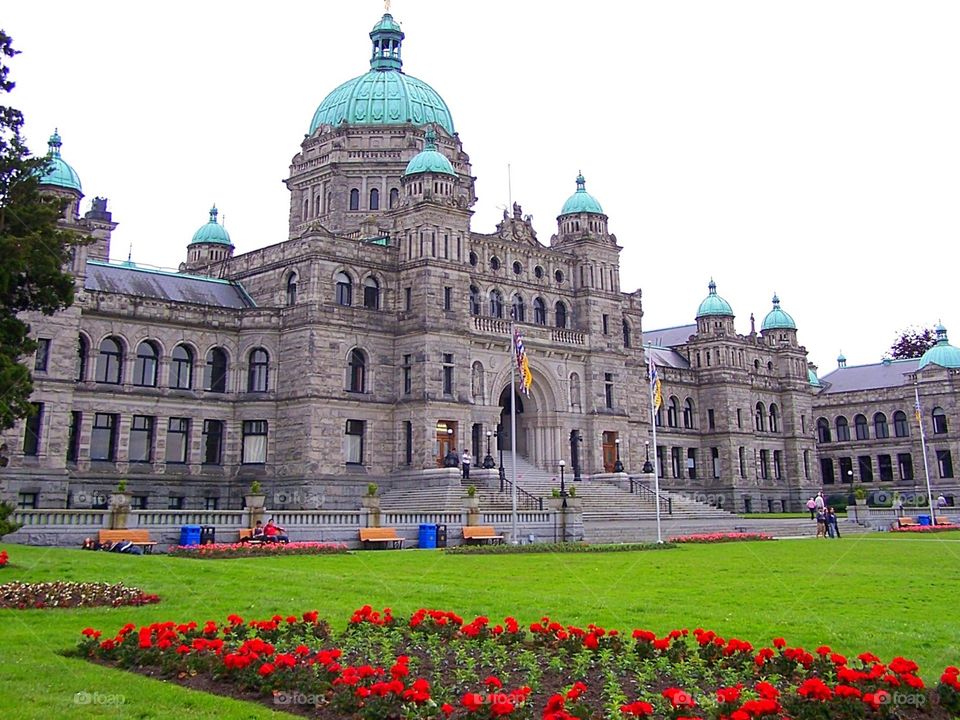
532, 501
639, 488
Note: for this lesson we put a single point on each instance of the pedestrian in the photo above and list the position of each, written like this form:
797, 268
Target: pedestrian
819, 503
812, 507
465, 464
941, 501
832, 527
821, 523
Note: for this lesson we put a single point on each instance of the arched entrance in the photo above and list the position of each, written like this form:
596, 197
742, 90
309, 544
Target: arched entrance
539, 438
506, 440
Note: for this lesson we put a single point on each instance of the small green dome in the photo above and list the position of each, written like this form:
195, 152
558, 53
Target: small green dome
581, 201
212, 232
429, 160
58, 172
777, 319
943, 353
713, 304
812, 377
385, 95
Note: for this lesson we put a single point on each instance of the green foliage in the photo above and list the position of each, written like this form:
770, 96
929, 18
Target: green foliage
372, 489
34, 252
913, 342
255, 487
7, 526
122, 486
572, 492
471, 491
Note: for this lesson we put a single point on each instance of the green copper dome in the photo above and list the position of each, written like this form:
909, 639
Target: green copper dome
212, 232
58, 172
385, 95
581, 201
713, 304
429, 160
943, 353
777, 319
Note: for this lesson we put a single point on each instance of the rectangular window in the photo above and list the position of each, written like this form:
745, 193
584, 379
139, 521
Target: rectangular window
846, 470
945, 463
885, 462
138, 502
905, 465
254, 450
408, 443
806, 464
448, 298
212, 442
661, 461
764, 468
27, 501
73, 440
407, 375
353, 442
32, 430
178, 440
42, 358
448, 373
408, 299
211, 503
742, 457
826, 471
715, 457
103, 438
606, 324
692, 463
140, 449
711, 420
803, 424
739, 418
175, 502
777, 464
608, 390
675, 462
865, 466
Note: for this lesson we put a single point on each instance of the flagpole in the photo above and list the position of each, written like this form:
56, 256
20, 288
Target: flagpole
656, 460
512, 348
923, 445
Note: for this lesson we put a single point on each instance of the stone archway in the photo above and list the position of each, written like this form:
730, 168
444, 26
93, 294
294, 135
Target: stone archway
538, 426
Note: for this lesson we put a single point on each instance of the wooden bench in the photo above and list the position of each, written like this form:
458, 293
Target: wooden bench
906, 521
481, 534
140, 538
943, 521
387, 536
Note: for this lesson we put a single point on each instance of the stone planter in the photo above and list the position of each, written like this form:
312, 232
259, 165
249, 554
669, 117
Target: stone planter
254, 502
119, 510
370, 502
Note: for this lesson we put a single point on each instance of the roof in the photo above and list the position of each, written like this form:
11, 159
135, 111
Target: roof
885, 374
665, 357
127, 279
581, 201
669, 337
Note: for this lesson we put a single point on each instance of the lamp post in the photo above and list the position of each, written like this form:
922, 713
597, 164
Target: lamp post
563, 487
647, 465
618, 466
503, 473
488, 458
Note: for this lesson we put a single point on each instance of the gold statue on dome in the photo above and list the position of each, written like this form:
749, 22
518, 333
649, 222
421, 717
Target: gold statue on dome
386, 5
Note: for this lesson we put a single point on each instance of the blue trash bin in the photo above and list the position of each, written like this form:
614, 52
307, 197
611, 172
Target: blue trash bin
428, 537
190, 535
924, 519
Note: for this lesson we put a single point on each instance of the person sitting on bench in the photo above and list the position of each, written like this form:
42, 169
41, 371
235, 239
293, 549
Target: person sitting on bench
125, 546
274, 533
258, 532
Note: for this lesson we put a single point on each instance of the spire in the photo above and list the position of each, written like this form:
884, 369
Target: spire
430, 139
776, 300
712, 287
53, 144
581, 183
387, 37
841, 360
941, 334
213, 213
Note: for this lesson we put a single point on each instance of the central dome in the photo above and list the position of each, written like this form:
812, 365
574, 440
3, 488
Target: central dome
385, 95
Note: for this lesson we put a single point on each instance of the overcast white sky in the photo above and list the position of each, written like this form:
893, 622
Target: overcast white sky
809, 148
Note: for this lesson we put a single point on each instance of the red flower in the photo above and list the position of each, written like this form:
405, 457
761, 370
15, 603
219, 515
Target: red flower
779, 643
637, 709
447, 709
729, 694
679, 698
472, 701
266, 669
814, 689
766, 691
493, 682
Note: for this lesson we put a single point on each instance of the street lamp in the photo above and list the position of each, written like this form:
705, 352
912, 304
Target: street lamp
647, 465
488, 458
618, 466
563, 488
503, 473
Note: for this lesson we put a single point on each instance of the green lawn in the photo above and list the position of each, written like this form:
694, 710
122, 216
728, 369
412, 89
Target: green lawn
887, 594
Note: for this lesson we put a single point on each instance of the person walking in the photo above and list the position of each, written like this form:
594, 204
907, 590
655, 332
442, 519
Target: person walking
832, 526
812, 507
465, 464
821, 523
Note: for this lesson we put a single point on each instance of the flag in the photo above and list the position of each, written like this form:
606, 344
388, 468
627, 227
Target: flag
655, 388
523, 365
916, 412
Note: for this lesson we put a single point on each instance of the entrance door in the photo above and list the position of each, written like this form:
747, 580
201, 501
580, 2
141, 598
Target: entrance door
609, 450
446, 440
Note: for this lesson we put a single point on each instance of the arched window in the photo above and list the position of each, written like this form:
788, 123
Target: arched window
880, 429
774, 415
496, 304
83, 349
673, 411
860, 423
357, 381
110, 362
519, 311
843, 429
371, 293
561, 312
900, 428
344, 289
539, 311
181, 368
688, 414
258, 374
145, 369
760, 420
292, 289
474, 300
215, 373
354, 199
374, 199
626, 334
394, 198
823, 431
575, 391
939, 421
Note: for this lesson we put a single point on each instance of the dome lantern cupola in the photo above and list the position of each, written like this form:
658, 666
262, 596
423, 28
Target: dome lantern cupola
777, 319
429, 160
57, 172
212, 232
713, 304
387, 37
943, 353
210, 244
581, 201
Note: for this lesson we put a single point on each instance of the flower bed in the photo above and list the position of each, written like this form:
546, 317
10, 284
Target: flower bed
24, 596
720, 537
240, 550
925, 528
4, 558
552, 548
435, 665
